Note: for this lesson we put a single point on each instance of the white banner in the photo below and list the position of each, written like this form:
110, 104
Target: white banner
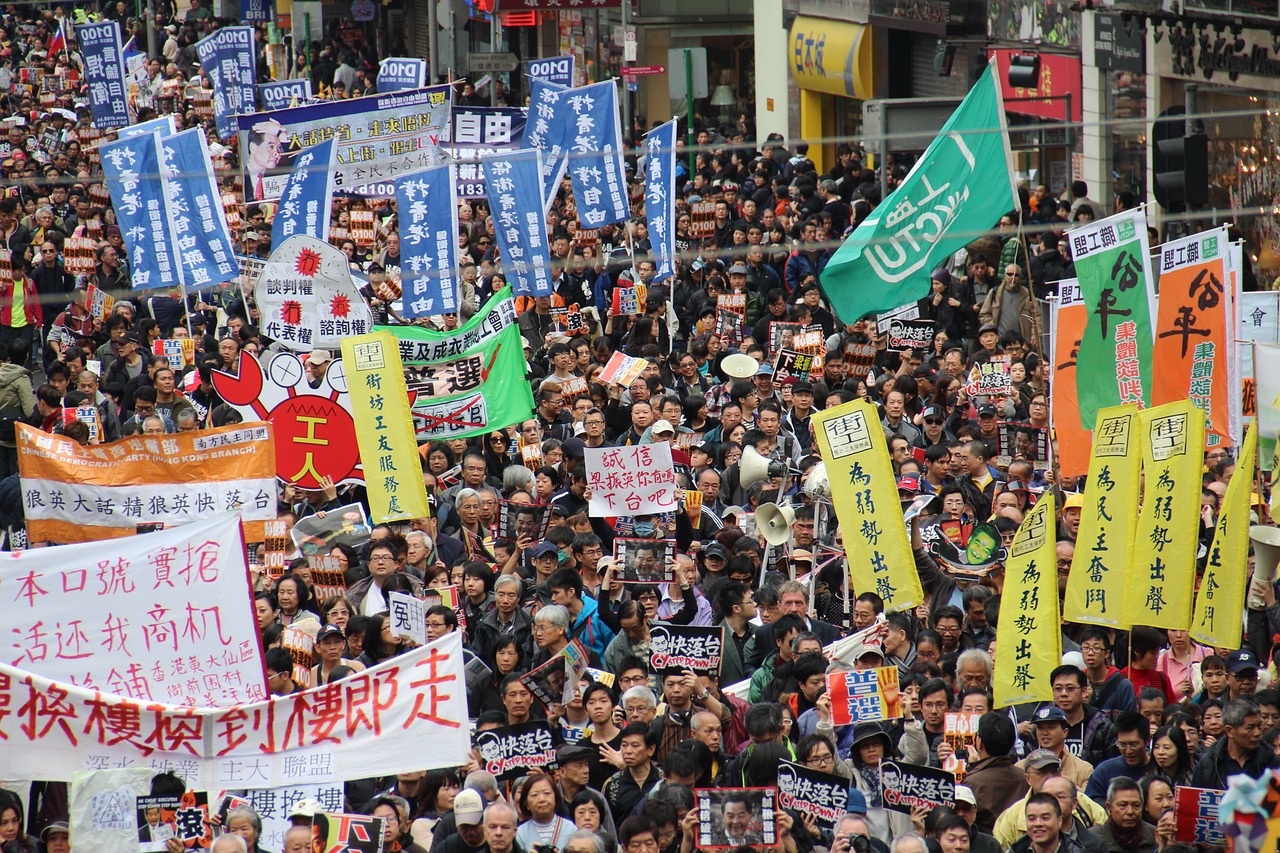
406, 714
160, 617
636, 480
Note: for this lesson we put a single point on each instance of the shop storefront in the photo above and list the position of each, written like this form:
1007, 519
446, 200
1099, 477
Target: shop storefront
1039, 116
832, 63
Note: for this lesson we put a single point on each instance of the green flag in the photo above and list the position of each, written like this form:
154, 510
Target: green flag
1113, 266
957, 191
468, 381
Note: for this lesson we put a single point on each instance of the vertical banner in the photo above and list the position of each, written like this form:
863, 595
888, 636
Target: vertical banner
384, 427
1220, 599
660, 197
544, 132
227, 56
305, 203
1097, 583
515, 200
205, 252
1192, 346
861, 476
427, 202
1162, 567
1113, 266
1068, 317
1257, 319
104, 73
593, 137
557, 70
134, 179
1266, 371
283, 94
1034, 647
400, 72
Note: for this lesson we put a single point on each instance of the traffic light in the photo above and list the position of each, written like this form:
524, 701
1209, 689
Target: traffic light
1024, 71
1179, 163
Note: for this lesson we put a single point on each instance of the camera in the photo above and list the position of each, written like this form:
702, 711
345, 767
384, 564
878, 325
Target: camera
859, 843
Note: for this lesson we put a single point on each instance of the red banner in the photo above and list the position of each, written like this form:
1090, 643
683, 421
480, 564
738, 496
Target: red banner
1060, 85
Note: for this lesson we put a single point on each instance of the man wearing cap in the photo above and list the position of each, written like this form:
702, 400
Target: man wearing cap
575, 770
1242, 750
56, 837
1051, 726
468, 815
1072, 507
1242, 674
329, 644
317, 364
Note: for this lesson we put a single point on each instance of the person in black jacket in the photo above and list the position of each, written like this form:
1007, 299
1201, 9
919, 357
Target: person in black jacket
1242, 750
1050, 267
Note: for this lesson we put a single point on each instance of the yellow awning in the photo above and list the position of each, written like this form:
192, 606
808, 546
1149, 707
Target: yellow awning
832, 56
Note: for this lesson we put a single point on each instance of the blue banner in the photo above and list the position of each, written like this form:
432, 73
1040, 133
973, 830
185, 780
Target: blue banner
255, 10
515, 202
228, 58
399, 72
545, 133
282, 94
132, 169
163, 125
557, 69
660, 197
104, 72
304, 206
476, 132
205, 253
593, 136
427, 202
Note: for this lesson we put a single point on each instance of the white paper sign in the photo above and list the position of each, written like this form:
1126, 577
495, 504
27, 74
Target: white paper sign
408, 618
307, 297
103, 811
636, 480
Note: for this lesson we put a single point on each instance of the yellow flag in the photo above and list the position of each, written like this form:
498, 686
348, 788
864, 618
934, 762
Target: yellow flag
384, 427
865, 495
1162, 567
1031, 644
1220, 600
1096, 585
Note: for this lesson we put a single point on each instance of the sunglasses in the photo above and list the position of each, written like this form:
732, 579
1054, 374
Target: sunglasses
933, 421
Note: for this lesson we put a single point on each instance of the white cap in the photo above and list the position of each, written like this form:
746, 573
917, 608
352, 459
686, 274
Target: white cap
1074, 659
965, 795
662, 426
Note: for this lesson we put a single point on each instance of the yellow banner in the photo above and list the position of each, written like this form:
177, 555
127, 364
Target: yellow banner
1096, 586
865, 496
1032, 644
1162, 567
384, 427
1220, 599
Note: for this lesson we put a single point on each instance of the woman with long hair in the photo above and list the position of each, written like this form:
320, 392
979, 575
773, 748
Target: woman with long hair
435, 800
379, 643
1170, 754
13, 836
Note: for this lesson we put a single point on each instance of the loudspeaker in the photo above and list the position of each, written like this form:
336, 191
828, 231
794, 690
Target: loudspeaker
774, 522
1266, 550
752, 467
739, 365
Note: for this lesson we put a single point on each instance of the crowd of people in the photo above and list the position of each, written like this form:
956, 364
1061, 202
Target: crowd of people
1135, 716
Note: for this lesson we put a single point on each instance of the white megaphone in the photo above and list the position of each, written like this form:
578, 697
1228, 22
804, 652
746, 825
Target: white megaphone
739, 365
774, 522
1266, 551
752, 467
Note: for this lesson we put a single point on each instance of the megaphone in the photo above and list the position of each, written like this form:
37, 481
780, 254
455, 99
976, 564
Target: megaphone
816, 484
752, 468
774, 522
739, 365
1266, 550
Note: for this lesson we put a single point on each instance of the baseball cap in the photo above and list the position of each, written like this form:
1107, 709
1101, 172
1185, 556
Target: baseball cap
251, 235
319, 356
329, 631
715, 549
765, 369
573, 752
133, 338
307, 808
58, 826
801, 387
1050, 714
1039, 759
964, 794
662, 427
909, 483
468, 807
573, 448
986, 409
1241, 660
934, 412
738, 269
734, 510
1075, 501
544, 549
856, 803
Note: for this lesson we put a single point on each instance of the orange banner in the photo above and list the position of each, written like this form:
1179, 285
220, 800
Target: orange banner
1192, 355
1073, 440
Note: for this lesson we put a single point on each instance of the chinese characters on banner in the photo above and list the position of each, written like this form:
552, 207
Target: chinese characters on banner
810, 792
556, 69
397, 73
864, 696
1033, 644
420, 345
75, 494
202, 240
1220, 597
908, 786
477, 132
408, 617
1162, 565
427, 202
104, 73
593, 137
861, 475
384, 427
1067, 321
1197, 813
228, 57
307, 297
283, 94
1257, 319
636, 480
132, 170
675, 648
1192, 346
516, 201
1096, 586
1113, 268
275, 806
544, 131
304, 205
660, 197
140, 616
406, 714
512, 751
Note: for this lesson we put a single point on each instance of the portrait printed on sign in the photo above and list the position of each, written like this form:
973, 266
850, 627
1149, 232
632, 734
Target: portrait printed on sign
184, 818
644, 560
516, 521
549, 683
736, 817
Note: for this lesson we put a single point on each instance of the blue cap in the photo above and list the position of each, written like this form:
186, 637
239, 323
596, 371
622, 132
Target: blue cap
1051, 714
545, 548
857, 803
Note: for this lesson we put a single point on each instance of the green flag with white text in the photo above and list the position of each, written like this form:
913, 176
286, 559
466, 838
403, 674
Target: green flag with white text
956, 192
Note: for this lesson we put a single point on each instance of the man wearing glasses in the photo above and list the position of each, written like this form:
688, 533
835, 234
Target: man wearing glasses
1133, 732
366, 595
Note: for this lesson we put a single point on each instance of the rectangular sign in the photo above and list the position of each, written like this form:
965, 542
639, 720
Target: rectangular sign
558, 69
908, 786
228, 58
397, 73
822, 795
283, 94
512, 751
636, 480
477, 132
865, 696
104, 73
1197, 814
729, 818
675, 648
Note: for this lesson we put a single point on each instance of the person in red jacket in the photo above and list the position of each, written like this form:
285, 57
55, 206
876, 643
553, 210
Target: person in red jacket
1144, 647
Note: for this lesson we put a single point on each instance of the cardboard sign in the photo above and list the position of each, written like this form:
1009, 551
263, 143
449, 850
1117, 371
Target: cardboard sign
990, 379
307, 297
782, 335
859, 358
347, 525
906, 786
184, 818
1023, 441
736, 302
865, 696
675, 648
790, 367
523, 520
729, 818
810, 792
628, 301
959, 731
513, 751
87, 415
346, 833
181, 352
635, 480
910, 334
728, 325
328, 579
702, 219
644, 560
408, 617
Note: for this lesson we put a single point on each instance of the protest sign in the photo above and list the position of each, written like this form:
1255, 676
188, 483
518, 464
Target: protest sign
791, 367
282, 94
529, 521
128, 616
427, 205
636, 480
782, 335
622, 369
347, 833
181, 352
959, 732
346, 525
397, 73
990, 379
810, 792
1067, 321
1197, 816
729, 325
87, 415
675, 648
404, 715
478, 132
305, 207
628, 300
132, 168
736, 817
203, 248
512, 751
549, 683
557, 69
702, 219
183, 818
299, 640
1034, 647
276, 804
104, 73
736, 302
408, 617
379, 137
644, 560
327, 576
864, 696
515, 199
102, 807
859, 358
307, 297
910, 334
419, 345
909, 311
1022, 441
227, 57
908, 786
72, 493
